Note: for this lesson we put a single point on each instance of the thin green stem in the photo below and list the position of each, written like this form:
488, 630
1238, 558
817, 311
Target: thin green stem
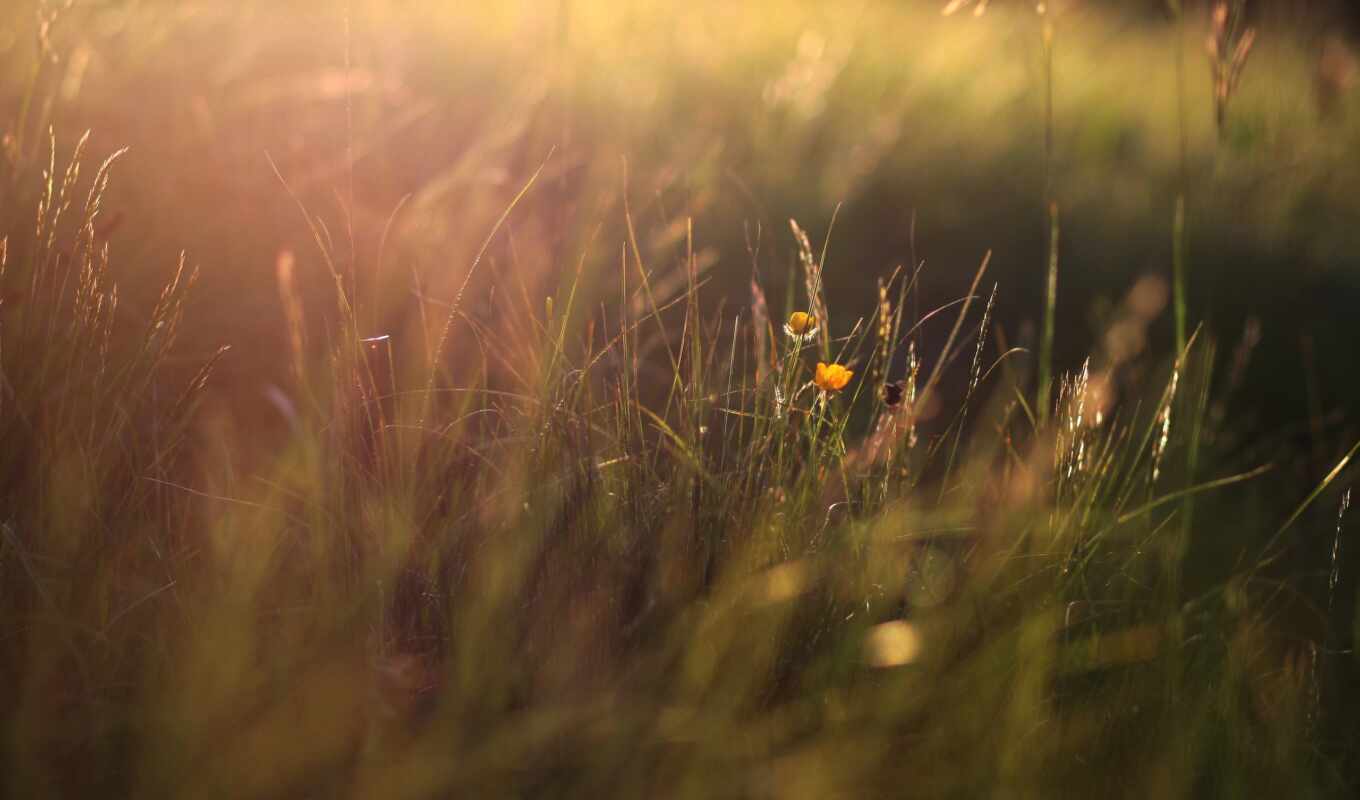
1051, 260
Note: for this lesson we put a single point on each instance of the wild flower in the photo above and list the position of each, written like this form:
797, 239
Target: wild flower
801, 327
832, 377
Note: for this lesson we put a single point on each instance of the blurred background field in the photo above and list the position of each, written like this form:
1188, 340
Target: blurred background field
274, 142
736, 116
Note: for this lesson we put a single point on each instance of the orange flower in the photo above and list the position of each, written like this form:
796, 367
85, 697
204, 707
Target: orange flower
801, 322
801, 327
832, 377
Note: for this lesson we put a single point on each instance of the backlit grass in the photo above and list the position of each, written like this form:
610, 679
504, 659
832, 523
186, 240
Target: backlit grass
555, 496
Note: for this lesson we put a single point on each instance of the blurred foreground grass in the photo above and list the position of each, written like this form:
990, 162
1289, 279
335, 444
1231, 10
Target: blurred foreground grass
513, 483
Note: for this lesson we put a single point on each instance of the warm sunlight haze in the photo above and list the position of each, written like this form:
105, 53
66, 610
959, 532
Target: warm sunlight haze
642, 399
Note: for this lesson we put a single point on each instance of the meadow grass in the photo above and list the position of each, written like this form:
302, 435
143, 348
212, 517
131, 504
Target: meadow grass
653, 561
619, 538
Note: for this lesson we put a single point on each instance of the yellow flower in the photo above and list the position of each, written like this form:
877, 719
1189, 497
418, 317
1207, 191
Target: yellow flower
801, 322
832, 377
